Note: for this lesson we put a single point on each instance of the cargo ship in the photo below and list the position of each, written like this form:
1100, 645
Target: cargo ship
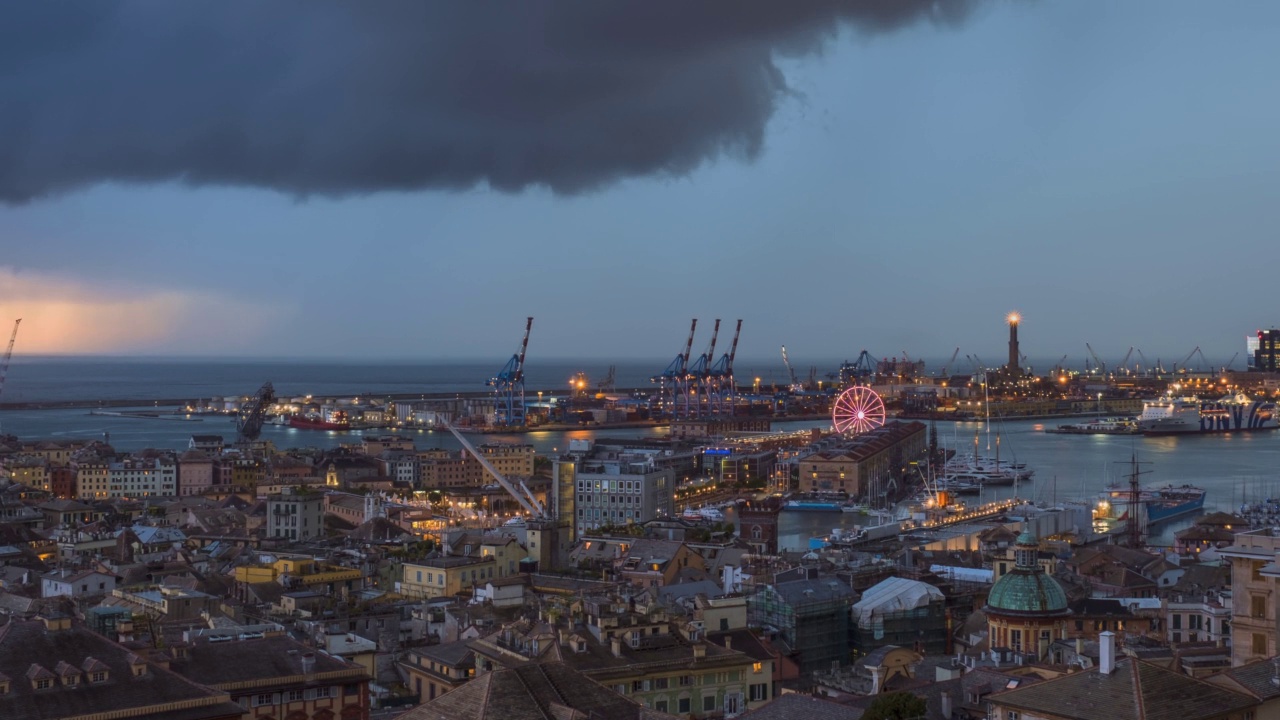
1234, 413
1158, 504
308, 422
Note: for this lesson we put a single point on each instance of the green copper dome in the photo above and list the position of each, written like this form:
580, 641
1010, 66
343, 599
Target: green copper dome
1030, 592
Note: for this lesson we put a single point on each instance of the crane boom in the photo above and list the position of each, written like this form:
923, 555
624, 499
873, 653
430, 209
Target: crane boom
1143, 358
8, 354
526, 499
1187, 359
1231, 362
1102, 367
524, 345
733, 348
1125, 362
790, 372
950, 362
688, 348
711, 349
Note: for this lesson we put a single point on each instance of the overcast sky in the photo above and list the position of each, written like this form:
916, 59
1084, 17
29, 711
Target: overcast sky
386, 180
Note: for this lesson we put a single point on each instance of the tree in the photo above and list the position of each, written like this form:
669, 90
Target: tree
896, 706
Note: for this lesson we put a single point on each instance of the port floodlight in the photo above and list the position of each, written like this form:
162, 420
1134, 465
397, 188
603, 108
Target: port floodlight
1014, 318
858, 409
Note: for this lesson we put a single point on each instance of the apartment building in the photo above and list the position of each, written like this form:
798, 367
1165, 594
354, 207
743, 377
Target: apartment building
616, 488
1255, 565
295, 515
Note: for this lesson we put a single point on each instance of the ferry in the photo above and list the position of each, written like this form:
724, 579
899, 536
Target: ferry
1100, 426
1234, 413
814, 503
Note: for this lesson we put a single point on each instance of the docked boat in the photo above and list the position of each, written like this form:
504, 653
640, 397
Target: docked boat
1182, 416
311, 422
1100, 426
813, 503
1157, 505
710, 513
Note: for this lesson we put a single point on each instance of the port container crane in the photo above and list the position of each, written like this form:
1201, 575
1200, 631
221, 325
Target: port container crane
673, 381
518, 490
607, 385
253, 414
1102, 367
8, 355
700, 374
1124, 364
947, 367
508, 386
1231, 362
1145, 367
1183, 365
725, 388
791, 373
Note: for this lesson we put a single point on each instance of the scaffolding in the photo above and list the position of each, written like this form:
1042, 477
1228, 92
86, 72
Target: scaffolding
807, 614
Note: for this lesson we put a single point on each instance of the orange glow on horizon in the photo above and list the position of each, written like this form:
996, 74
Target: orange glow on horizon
63, 315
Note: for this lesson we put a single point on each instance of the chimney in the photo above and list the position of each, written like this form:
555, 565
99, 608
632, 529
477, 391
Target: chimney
1079, 646
1107, 652
616, 644
728, 642
308, 663
946, 705
699, 651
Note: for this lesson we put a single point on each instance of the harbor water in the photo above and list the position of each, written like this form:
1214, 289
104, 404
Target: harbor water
1233, 468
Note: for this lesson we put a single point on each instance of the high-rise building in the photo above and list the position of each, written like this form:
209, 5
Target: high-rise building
1264, 350
616, 488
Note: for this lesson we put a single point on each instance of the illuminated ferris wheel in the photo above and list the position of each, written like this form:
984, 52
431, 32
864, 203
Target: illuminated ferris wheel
857, 410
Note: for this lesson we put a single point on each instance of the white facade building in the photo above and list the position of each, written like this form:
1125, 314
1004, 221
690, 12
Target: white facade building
621, 488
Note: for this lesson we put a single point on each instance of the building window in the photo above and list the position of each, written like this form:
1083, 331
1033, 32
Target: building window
708, 703
1012, 715
1177, 622
1257, 606
758, 692
1259, 644
295, 695
757, 667
261, 700
683, 706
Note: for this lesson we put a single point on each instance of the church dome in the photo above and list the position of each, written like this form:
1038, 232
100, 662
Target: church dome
1027, 592
1027, 589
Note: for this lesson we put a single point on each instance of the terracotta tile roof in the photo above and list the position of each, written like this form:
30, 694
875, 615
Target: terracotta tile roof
27, 649
532, 692
794, 706
1136, 689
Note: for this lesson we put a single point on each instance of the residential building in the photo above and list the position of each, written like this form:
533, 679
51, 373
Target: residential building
444, 469
445, 575
436, 669
1255, 565
273, 676
143, 476
1205, 618
295, 515
195, 472
51, 670
76, 583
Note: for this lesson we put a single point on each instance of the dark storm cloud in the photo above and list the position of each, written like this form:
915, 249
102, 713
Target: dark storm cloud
351, 97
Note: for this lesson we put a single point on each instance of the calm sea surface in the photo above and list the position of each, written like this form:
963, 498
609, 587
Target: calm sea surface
1233, 468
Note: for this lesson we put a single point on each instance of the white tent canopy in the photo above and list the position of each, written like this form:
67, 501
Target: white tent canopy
893, 595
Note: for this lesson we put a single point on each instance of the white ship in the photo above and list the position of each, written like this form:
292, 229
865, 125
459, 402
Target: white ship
1234, 413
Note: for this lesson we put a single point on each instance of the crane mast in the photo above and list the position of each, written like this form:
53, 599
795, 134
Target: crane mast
8, 355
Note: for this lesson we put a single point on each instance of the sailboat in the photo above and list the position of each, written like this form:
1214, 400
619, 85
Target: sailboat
985, 470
